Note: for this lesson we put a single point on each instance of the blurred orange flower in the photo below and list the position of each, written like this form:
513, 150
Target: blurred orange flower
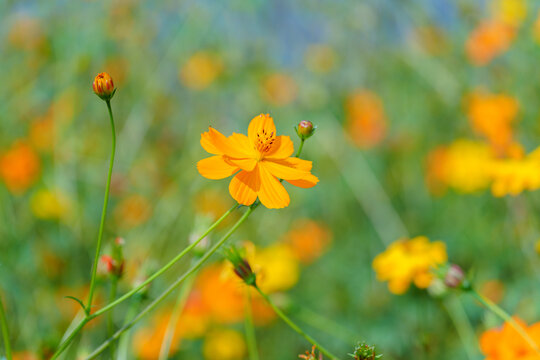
26, 33
506, 343
19, 167
148, 340
201, 70
261, 157
133, 211
279, 89
320, 58
513, 176
365, 119
490, 39
25, 355
492, 116
406, 261
308, 240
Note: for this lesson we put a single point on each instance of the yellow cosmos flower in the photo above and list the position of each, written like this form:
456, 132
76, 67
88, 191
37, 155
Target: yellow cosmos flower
224, 344
407, 261
258, 160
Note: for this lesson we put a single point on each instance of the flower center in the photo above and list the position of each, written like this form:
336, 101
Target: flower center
264, 142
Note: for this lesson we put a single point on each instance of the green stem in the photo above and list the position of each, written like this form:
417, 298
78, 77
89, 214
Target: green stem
300, 147
5, 330
173, 321
103, 213
324, 324
295, 327
110, 322
250, 329
506, 317
463, 326
124, 342
173, 286
133, 291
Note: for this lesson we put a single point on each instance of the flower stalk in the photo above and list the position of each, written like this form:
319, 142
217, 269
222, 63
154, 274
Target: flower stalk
251, 339
103, 212
5, 331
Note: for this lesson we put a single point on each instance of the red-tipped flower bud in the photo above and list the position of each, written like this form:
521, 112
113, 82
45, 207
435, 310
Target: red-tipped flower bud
305, 129
104, 86
454, 276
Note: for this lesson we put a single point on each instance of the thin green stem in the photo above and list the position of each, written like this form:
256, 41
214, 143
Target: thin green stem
103, 213
135, 290
295, 327
506, 317
110, 322
173, 286
250, 329
463, 326
324, 324
173, 321
124, 342
302, 141
5, 331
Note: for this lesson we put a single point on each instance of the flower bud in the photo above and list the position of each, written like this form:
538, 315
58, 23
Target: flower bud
364, 351
305, 129
311, 355
108, 266
454, 276
103, 86
241, 266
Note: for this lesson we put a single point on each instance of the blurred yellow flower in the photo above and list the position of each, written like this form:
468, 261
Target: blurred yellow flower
276, 267
224, 344
492, 116
366, 122
279, 89
490, 39
201, 70
308, 240
513, 176
19, 167
511, 12
464, 165
406, 261
320, 58
49, 204
506, 343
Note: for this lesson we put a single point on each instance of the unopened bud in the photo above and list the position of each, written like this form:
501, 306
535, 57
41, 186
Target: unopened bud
305, 129
454, 276
364, 351
241, 266
104, 86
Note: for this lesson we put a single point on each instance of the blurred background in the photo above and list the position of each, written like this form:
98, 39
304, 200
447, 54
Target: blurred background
427, 115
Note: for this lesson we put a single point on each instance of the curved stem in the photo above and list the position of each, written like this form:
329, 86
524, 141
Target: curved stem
463, 326
103, 213
171, 288
506, 317
135, 290
5, 331
295, 327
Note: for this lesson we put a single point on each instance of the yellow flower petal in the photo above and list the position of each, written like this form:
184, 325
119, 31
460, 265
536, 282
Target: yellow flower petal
244, 186
281, 149
258, 125
272, 194
215, 167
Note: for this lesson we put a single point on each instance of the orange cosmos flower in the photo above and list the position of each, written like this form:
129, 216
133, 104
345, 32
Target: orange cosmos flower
259, 159
490, 39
